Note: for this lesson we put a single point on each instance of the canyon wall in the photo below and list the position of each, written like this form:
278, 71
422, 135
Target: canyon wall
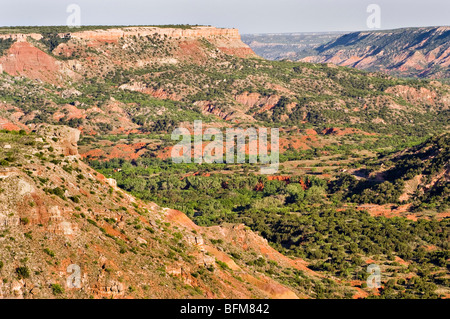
117, 33
26, 58
194, 32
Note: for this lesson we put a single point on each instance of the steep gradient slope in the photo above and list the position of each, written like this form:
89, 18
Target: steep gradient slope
151, 79
278, 46
55, 211
417, 177
135, 85
410, 52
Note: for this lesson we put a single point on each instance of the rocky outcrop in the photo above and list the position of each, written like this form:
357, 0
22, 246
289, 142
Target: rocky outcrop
193, 32
70, 218
251, 100
21, 37
417, 52
422, 95
64, 139
25, 57
141, 87
22, 58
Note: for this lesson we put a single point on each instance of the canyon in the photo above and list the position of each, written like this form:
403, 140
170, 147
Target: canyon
86, 178
407, 52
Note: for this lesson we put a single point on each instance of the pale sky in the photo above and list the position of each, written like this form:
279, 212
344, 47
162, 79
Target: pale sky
249, 16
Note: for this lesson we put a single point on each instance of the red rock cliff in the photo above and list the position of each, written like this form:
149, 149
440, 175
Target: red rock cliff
194, 32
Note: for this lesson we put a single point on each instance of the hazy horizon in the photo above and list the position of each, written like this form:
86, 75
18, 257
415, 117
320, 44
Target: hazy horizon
250, 17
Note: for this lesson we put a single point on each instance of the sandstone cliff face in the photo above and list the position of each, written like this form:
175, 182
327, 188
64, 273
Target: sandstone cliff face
417, 52
227, 40
255, 99
64, 139
115, 34
21, 37
192, 67
194, 32
141, 87
25, 59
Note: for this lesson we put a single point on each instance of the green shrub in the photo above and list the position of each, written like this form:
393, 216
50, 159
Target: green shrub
57, 289
49, 252
222, 265
23, 272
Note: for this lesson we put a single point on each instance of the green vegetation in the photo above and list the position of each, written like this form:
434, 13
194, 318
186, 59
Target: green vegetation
52, 40
23, 272
429, 159
312, 212
67, 29
57, 289
49, 252
5, 44
320, 95
305, 217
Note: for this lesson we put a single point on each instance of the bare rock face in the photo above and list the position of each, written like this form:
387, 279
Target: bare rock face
422, 95
70, 93
63, 138
20, 37
112, 288
25, 59
194, 32
8, 221
418, 52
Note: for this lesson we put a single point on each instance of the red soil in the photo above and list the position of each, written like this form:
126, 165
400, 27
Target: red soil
287, 179
7, 125
125, 151
24, 59
343, 131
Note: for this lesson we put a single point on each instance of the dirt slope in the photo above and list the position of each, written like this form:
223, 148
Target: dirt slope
55, 211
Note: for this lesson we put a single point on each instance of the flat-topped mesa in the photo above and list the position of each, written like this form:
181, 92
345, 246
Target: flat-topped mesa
27, 58
114, 34
21, 37
194, 32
